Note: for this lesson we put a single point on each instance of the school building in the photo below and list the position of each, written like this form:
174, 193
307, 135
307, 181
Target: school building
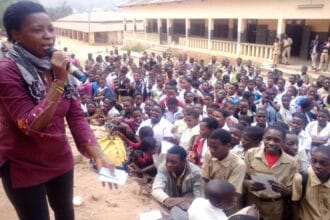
93, 28
245, 28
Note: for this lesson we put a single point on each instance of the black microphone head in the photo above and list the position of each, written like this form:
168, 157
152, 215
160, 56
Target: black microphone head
50, 51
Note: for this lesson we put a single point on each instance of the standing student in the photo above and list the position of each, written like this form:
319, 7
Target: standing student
286, 54
221, 163
270, 159
310, 190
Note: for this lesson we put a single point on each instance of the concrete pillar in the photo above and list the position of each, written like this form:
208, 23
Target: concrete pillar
231, 29
159, 26
91, 38
210, 29
280, 27
169, 30
145, 23
241, 27
134, 27
187, 31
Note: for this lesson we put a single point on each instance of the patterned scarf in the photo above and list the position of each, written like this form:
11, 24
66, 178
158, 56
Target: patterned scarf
31, 67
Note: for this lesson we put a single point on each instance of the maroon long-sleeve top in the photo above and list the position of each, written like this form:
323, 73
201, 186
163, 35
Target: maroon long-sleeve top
37, 156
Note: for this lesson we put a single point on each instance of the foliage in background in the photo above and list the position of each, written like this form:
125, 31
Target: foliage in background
60, 11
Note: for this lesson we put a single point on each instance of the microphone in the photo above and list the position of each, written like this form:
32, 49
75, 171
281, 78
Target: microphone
72, 69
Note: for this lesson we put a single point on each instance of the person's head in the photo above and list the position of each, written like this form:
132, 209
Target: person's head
28, 24
273, 139
206, 126
231, 89
236, 134
261, 117
128, 104
208, 99
220, 115
243, 106
210, 108
176, 160
220, 193
198, 107
326, 83
138, 98
304, 69
137, 115
156, 114
320, 161
172, 104
245, 120
191, 118
252, 136
298, 122
281, 84
230, 107
145, 131
323, 117
286, 100
185, 83
91, 108
149, 144
108, 103
188, 97
219, 143
292, 79
291, 144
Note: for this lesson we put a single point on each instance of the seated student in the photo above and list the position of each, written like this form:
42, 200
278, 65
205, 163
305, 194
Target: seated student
236, 134
210, 108
286, 109
162, 127
261, 118
221, 115
230, 107
143, 158
221, 163
319, 130
270, 159
198, 144
174, 112
191, 118
245, 120
178, 181
219, 196
297, 125
243, 109
311, 189
251, 137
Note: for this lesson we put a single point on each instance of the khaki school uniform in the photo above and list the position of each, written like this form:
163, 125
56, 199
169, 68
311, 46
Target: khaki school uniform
270, 207
315, 204
231, 169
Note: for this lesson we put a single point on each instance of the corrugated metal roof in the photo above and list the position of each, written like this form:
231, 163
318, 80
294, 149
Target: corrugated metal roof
94, 17
94, 27
147, 2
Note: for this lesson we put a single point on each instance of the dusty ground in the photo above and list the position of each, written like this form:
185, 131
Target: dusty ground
99, 203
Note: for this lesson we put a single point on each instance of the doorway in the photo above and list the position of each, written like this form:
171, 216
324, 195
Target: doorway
294, 30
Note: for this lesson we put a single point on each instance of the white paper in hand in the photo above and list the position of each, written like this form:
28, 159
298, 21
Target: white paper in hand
151, 215
119, 178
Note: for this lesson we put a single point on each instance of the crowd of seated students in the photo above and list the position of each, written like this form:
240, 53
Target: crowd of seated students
207, 132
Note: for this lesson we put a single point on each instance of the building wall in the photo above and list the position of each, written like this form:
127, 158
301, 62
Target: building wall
252, 9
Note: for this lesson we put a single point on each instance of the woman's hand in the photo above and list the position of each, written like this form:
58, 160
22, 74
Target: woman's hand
280, 188
254, 186
59, 63
104, 161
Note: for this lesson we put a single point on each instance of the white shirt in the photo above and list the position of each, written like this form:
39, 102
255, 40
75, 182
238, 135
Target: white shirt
311, 129
162, 129
202, 209
187, 134
304, 141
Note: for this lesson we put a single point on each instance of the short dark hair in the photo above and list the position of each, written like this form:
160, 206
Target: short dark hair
277, 128
178, 150
222, 111
16, 14
146, 131
255, 132
148, 143
282, 124
325, 149
211, 123
172, 101
222, 135
192, 112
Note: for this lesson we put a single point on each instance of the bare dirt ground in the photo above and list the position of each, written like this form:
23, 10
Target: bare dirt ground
99, 203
